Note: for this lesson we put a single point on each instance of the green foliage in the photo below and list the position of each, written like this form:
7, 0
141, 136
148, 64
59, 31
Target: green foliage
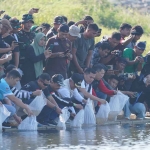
104, 13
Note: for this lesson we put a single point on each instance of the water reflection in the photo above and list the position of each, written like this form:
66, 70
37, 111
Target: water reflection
101, 137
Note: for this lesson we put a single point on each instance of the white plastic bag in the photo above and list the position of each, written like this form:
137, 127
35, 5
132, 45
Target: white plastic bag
4, 113
78, 120
89, 116
116, 104
28, 123
37, 104
63, 118
102, 114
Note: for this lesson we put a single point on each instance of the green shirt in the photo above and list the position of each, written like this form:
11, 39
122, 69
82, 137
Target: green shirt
129, 53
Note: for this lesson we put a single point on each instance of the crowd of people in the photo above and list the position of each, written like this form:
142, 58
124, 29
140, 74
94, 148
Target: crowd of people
65, 63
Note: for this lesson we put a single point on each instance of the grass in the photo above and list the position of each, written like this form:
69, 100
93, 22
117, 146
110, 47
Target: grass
107, 16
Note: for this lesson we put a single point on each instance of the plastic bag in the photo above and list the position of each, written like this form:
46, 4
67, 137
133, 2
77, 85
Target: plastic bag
28, 123
116, 104
37, 104
4, 113
89, 116
63, 118
102, 114
78, 120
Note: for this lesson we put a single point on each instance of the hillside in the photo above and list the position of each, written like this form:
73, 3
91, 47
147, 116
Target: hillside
105, 14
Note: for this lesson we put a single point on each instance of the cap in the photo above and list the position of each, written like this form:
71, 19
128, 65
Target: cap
141, 45
26, 18
15, 23
45, 25
6, 17
64, 28
74, 31
35, 28
58, 78
59, 20
77, 79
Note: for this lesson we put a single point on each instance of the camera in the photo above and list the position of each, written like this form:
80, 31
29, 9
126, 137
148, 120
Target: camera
117, 53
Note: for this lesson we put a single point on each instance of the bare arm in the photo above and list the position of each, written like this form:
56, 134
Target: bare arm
88, 95
51, 99
19, 103
75, 61
16, 56
127, 41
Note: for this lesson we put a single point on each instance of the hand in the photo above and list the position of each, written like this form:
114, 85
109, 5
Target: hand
131, 94
58, 110
37, 92
80, 70
61, 54
1, 12
102, 101
136, 59
84, 101
79, 106
69, 56
9, 57
47, 53
72, 114
28, 111
141, 60
13, 45
33, 10
115, 92
18, 119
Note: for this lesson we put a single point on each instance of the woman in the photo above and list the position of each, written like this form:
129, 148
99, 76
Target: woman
34, 57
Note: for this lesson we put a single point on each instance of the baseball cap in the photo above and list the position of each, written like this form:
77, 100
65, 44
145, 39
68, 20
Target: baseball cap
64, 28
141, 45
58, 20
6, 17
26, 18
15, 23
58, 78
77, 79
74, 31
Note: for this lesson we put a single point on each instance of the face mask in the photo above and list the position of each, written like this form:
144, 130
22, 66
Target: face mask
144, 80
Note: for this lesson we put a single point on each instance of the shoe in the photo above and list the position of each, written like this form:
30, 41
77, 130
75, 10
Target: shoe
43, 123
52, 123
6, 125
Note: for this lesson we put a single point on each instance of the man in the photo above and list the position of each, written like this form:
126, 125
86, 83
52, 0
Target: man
125, 29
45, 27
10, 80
35, 88
61, 52
53, 31
47, 115
114, 40
85, 22
134, 57
70, 88
25, 36
136, 33
82, 49
100, 52
74, 33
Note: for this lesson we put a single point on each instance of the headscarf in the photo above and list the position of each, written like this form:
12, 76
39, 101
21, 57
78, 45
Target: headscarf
38, 66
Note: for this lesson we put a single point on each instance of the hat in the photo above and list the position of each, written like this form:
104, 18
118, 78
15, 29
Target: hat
26, 18
77, 79
141, 45
64, 28
59, 20
35, 28
15, 23
6, 17
45, 25
74, 31
58, 78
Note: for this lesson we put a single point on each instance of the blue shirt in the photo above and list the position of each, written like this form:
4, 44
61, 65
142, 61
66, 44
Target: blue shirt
4, 89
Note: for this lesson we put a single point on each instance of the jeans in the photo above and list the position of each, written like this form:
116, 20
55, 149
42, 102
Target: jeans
11, 109
138, 109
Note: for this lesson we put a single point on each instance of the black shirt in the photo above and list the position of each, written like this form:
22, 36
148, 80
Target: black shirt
33, 86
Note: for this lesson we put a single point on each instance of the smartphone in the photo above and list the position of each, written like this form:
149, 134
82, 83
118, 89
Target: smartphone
18, 42
67, 51
51, 47
110, 67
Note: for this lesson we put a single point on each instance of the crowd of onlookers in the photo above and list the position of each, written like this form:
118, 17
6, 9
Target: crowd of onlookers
64, 62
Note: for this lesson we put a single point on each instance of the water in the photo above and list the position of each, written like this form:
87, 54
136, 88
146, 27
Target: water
112, 137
